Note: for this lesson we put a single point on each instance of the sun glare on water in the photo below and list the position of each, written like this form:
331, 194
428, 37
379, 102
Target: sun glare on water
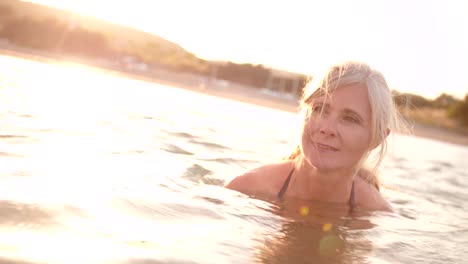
69, 163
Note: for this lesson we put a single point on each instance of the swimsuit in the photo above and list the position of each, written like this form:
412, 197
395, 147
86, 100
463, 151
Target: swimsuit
352, 203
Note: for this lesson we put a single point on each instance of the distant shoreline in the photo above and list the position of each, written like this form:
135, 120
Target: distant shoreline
230, 91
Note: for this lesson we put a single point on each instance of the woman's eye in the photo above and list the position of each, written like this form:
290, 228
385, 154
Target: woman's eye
317, 108
351, 119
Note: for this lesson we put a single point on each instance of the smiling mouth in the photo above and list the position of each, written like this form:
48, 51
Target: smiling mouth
325, 147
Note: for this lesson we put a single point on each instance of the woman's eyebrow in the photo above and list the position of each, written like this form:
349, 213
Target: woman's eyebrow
354, 113
321, 101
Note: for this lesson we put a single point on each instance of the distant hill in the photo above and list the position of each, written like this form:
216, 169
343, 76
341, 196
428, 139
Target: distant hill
64, 33
120, 39
9, 8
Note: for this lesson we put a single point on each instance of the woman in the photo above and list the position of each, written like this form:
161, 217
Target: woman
347, 115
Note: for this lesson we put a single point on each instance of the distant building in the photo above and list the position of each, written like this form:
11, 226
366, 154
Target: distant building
285, 82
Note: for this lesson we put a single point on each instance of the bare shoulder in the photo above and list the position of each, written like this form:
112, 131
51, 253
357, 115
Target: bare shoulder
369, 197
266, 179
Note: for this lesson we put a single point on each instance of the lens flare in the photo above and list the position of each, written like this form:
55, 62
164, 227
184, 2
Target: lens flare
304, 211
327, 227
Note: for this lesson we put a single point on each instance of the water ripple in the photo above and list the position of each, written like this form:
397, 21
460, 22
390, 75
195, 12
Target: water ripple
196, 170
456, 182
172, 211
429, 191
210, 145
211, 200
13, 261
6, 154
176, 150
180, 134
15, 213
21, 115
444, 164
228, 160
12, 136
155, 261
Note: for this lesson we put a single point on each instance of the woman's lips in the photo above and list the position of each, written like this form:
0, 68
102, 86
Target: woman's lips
325, 147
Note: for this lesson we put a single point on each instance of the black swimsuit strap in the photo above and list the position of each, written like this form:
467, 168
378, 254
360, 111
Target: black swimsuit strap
352, 202
285, 185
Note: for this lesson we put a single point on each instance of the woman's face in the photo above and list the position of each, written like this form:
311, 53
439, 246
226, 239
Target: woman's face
338, 131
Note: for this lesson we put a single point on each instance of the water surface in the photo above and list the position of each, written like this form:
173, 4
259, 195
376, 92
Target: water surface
98, 168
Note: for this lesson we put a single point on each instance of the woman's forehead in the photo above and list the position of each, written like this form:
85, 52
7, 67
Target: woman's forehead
354, 97
355, 91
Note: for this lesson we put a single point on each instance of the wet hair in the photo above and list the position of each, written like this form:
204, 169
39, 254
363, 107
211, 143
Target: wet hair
384, 114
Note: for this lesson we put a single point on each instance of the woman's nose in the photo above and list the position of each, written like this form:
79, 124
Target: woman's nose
327, 126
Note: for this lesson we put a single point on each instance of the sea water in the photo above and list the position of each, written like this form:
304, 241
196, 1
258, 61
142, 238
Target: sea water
99, 168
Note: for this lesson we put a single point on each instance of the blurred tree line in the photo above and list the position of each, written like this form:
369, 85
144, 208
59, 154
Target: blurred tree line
453, 107
459, 111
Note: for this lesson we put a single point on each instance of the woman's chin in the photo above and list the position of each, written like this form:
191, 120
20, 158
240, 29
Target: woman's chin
319, 164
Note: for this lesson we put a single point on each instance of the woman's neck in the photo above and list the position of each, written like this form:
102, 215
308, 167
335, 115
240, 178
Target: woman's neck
328, 186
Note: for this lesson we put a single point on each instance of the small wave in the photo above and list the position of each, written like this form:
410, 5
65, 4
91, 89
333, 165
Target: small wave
176, 150
211, 200
435, 169
456, 182
400, 167
442, 196
13, 261
444, 164
171, 211
210, 145
282, 141
130, 152
401, 202
12, 136
398, 159
20, 115
180, 134
6, 154
229, 160
14, 213
26, 116
157, 261
184, 210
199, 174
408, 213
212, 181
196, 171
46, 130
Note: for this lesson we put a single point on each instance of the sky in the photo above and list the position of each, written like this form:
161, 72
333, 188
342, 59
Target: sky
421, 46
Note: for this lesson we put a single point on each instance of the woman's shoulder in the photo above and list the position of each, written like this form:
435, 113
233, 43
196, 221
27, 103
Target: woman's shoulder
369, 197
266, 179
